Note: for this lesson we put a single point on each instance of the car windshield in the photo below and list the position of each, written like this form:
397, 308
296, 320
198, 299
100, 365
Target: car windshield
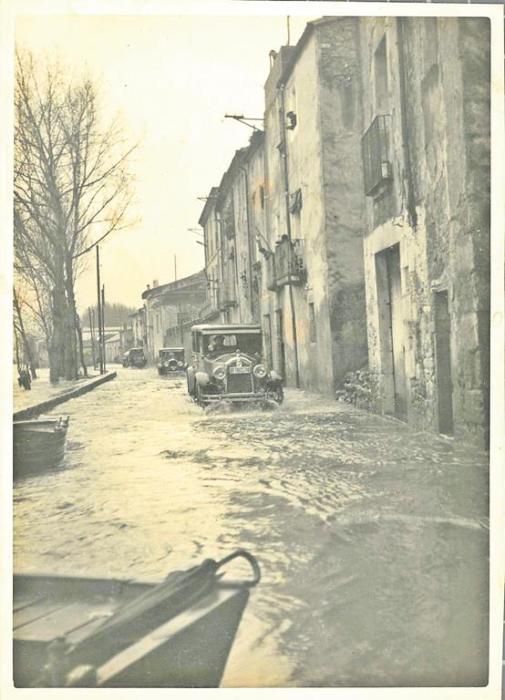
171, 354
249, 343
137, 353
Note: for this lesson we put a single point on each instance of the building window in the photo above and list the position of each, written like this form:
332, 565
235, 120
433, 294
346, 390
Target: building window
381, 78
157, 322
312, 323
375, 145
295, 201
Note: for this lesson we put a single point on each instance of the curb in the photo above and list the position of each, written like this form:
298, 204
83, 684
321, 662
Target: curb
38, 408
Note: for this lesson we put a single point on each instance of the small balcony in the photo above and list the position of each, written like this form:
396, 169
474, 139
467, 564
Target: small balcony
290, 262
375, 145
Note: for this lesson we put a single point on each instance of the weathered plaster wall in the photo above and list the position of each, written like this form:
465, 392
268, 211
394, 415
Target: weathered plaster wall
341, 127
274, 303
257, 219
439, 208
304, 146
324, 163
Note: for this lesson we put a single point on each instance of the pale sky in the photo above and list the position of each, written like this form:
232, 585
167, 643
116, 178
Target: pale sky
172, 79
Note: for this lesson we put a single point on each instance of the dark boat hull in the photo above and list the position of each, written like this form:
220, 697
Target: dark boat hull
188, 650
38, 445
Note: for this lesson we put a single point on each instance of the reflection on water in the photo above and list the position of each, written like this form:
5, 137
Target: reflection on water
372, 539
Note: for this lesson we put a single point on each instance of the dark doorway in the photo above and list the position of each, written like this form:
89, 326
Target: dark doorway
281, 357
267, 335
443, 362
392, 331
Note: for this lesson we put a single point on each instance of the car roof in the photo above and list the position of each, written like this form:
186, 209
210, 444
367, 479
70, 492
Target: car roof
172, 347
228, 328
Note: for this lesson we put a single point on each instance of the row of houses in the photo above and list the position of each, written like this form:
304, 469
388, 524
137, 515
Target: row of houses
354, 226
166, 316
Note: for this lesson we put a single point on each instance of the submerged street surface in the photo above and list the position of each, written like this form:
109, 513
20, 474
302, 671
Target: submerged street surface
372, 538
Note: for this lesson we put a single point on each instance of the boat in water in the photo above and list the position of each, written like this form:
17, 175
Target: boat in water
38, 444
90, 632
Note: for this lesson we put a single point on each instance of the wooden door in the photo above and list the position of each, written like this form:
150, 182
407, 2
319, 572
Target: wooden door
397, 329
443, 363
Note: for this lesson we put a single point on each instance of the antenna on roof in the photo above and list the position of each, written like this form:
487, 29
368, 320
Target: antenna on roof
289, 32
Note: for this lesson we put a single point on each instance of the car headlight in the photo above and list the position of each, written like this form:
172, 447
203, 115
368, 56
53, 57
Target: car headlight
179, 364
260, 371
202, 378
219, 372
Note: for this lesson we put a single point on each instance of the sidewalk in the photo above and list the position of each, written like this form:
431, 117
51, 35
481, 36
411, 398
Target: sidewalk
42, 390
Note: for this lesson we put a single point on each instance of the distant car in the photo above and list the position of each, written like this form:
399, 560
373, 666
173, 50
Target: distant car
171, 360
134, 358
227, 365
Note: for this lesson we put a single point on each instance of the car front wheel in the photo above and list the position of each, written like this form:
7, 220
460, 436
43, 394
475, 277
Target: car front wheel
279, 394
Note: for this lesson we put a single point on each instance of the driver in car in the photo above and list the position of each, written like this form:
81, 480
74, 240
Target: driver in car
216, 344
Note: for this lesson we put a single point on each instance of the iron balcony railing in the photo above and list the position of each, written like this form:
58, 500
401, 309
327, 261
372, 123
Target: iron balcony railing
375, 145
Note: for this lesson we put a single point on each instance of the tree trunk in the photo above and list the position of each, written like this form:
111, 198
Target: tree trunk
56, 348
26, 345
16, 347
71, 364
81, 347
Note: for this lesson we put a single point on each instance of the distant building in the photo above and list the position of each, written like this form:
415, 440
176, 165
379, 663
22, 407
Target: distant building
137, 324
91, 347
167, 310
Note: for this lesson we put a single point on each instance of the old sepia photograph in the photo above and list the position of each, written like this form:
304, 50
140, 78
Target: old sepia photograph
254, 378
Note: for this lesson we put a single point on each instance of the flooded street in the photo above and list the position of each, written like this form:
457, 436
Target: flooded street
372, 538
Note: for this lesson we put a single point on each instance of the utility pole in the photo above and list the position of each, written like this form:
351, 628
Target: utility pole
99, 310
91, 336
103, 327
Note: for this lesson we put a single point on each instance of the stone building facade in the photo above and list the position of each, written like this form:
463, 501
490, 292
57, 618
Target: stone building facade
355, 227
316, 305
426, 90
231, 220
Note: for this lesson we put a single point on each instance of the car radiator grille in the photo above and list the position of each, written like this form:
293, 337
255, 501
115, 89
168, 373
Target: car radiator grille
239, 383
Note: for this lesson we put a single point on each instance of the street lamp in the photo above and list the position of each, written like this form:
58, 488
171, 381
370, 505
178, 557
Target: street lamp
198, 232
244, 120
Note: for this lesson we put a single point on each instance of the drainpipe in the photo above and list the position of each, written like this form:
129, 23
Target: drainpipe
284, 155
249, 246
411, 205
220, 266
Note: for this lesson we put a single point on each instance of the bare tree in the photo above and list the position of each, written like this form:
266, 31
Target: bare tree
20, 331
71, 190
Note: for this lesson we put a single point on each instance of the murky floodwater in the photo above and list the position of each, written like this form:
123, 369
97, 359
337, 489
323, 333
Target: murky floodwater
372, 539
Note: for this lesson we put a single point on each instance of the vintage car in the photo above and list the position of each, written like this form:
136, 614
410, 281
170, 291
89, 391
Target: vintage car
171, 360
227, 365
134, 358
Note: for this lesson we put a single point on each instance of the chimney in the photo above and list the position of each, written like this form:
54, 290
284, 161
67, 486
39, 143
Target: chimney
148, 286
279, 60
155, 283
